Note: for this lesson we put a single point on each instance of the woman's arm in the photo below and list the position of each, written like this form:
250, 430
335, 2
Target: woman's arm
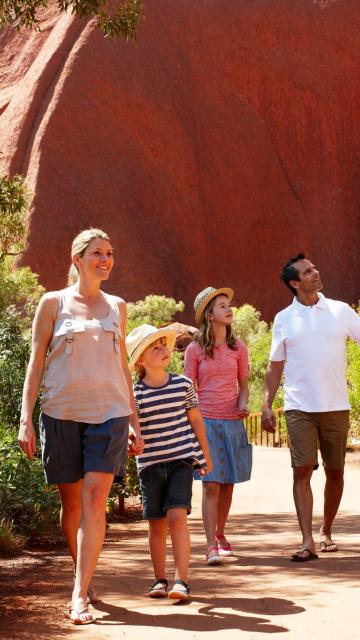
198, 427
42, 331
138, 443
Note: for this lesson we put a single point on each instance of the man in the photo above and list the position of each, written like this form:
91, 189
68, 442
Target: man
309, 340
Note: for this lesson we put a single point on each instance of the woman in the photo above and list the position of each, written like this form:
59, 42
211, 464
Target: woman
78, 354
218, 363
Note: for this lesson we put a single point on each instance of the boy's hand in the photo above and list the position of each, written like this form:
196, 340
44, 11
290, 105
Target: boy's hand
205, 470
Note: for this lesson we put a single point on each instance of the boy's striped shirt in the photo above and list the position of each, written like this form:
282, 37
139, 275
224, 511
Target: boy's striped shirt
164, 424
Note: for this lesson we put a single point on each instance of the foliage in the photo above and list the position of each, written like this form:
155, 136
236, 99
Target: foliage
154, 309
353, 377
13, 203
19, 287
10, 542
25, 501
119, 20
14, 356
256, 333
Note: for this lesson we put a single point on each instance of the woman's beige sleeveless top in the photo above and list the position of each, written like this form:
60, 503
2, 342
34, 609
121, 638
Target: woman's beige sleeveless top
84, 380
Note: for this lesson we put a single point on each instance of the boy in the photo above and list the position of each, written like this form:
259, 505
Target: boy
174, 444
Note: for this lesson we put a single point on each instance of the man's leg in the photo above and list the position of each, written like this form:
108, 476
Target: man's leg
303, 499
333, 431
332, 497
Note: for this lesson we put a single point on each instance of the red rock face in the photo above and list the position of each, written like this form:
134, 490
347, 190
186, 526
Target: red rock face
224, 141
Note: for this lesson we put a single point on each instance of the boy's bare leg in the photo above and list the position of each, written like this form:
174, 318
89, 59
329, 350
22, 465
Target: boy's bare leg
180, 542
157, 541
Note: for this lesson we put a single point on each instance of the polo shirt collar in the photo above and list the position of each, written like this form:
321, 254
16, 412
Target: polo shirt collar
298, 308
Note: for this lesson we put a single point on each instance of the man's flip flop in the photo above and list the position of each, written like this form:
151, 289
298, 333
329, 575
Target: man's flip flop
327, 545
297, 557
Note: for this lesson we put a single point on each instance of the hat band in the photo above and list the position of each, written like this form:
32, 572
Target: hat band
206, 295
139, 345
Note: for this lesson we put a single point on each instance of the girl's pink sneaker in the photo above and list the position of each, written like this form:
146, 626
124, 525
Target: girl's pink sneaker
224, 547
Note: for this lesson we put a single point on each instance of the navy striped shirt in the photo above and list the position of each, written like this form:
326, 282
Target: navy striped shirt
164, 423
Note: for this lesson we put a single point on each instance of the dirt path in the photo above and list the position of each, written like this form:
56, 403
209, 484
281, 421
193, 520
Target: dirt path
258, 592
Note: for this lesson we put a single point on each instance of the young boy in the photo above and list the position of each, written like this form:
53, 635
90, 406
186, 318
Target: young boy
174, 444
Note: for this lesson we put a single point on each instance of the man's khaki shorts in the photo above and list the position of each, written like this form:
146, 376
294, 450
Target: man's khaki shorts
327, 429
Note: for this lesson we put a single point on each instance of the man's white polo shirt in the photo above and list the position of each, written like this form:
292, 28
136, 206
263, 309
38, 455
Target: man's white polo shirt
312, 341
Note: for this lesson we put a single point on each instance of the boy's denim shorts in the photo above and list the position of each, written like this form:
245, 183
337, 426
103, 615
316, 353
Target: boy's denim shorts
71, 449
166, 485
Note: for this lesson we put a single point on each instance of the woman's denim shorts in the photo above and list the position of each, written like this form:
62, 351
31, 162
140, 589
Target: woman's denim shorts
71, 449
166, 485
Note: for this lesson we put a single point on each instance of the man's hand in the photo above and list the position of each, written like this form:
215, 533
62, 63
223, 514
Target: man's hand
27, 438
268, 420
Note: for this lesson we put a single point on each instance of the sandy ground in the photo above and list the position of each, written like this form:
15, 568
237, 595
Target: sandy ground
257, 592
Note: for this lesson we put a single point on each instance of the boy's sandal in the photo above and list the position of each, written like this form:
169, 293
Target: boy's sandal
224, 547
180, 591
158, 589
212, 556
79, 615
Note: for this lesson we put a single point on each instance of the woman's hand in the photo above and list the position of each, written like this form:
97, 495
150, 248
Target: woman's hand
136, 443
27, 438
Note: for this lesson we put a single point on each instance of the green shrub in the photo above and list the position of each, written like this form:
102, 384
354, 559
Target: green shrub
10, 542
154, 309
31, 506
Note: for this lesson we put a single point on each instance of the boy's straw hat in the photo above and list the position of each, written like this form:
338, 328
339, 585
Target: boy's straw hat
141, 337
205, 296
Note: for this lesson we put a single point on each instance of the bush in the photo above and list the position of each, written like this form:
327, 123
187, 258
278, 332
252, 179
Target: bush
10, 543
154, 309
26, 502
256, 333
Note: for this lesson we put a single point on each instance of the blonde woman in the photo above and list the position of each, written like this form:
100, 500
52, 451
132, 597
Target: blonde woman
218, 363
78, 355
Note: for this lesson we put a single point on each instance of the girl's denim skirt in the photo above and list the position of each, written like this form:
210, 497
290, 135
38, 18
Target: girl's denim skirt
230, 451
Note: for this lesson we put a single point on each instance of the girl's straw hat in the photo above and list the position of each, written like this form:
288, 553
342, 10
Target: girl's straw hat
141, 337
205, 296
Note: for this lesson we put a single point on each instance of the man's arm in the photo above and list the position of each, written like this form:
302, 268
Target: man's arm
272, 381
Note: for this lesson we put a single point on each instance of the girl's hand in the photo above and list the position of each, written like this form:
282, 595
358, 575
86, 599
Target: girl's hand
242, 412
27, 439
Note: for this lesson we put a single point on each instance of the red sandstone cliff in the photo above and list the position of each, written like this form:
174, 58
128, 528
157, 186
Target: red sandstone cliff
225, 140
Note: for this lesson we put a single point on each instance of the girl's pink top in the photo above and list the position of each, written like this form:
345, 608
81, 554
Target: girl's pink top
217, 378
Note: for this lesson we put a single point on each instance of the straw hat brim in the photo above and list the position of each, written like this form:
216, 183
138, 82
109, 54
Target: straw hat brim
170, 336
226, 291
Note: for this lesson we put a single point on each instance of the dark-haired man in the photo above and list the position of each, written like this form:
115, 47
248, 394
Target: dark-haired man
309, 345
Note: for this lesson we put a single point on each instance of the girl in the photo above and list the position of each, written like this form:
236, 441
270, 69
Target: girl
78, 353
175, 442
218, 364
